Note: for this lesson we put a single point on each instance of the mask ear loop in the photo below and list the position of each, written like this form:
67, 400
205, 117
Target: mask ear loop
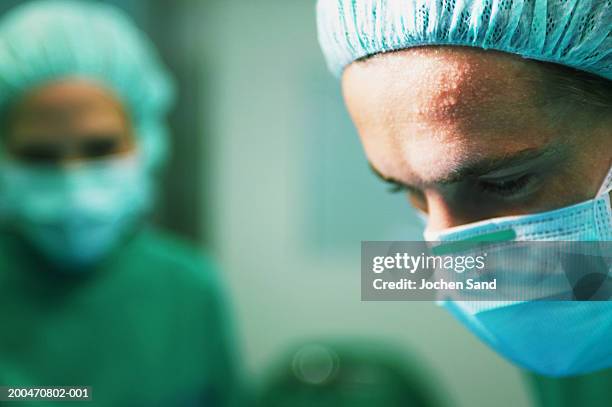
606, 186
606, 192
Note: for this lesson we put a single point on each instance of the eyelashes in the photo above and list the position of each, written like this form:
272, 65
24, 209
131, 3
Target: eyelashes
507, 187
504, 188
396, 187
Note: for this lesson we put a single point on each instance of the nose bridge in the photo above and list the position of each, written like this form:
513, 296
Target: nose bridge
71, 154
441, 213
69, 174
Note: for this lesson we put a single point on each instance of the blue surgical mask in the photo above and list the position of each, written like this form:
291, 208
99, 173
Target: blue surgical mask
553, 338
74, 216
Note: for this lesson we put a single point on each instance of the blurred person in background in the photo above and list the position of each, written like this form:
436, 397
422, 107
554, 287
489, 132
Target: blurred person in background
495, 117
348, 373
90, 295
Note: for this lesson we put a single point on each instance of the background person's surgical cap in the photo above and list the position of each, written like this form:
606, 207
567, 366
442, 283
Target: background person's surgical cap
575, 33
45, 41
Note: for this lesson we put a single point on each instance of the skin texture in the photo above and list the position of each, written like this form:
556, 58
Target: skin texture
66, 122
473, 134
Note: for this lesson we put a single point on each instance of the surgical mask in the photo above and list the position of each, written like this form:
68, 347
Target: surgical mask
553, 338
74, 216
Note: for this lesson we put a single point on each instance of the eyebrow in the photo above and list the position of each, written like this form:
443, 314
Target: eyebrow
486, 166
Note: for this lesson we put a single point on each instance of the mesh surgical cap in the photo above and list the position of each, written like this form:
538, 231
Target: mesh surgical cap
575, 33
45, 41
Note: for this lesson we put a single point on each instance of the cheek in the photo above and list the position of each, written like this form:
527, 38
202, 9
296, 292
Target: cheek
592, 166
128, 140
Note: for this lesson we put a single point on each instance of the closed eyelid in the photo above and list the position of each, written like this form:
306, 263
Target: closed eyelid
492, 168
545, 161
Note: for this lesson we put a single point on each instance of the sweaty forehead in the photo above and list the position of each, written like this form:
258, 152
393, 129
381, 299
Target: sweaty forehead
448, 83
443, 106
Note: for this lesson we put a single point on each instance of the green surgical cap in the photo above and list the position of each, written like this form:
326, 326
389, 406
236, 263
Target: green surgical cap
44, 41
575, 33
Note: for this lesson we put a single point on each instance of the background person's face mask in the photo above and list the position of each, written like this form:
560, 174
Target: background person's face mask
74, 216
554, 338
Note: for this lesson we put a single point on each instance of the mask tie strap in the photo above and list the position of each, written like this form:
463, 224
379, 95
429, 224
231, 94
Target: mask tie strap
604, 214
606, 186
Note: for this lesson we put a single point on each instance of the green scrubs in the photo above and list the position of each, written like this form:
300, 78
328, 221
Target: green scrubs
147, 327
593, 390
349, 373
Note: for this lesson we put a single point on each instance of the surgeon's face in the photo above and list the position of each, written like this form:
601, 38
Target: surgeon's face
472, 135
65, 122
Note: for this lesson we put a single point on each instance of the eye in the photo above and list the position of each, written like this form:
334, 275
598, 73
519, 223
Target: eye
415, 196
40, 154
100, 147
396, 187
508, 187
